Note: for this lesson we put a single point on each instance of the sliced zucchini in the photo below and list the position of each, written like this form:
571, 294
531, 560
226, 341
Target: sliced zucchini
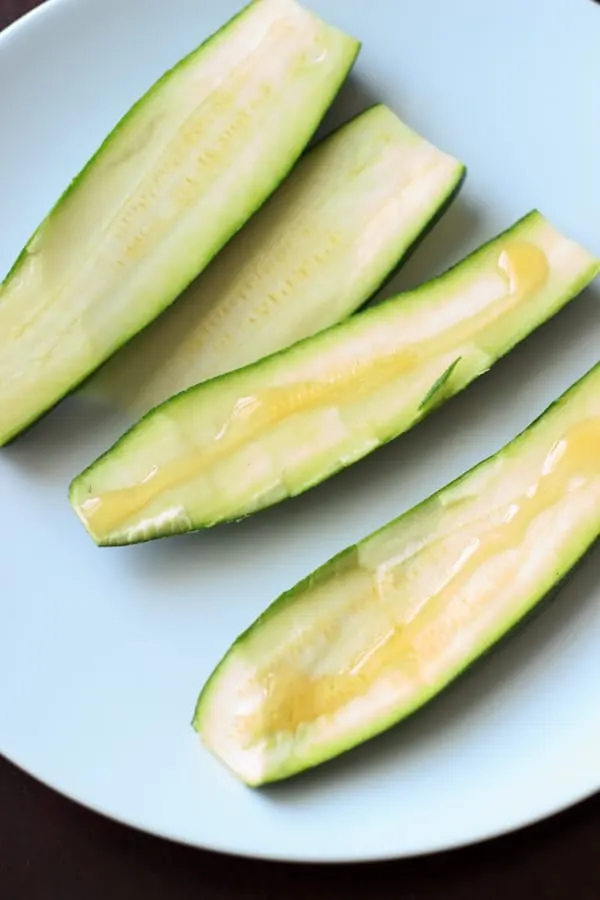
174, 181
384, 626
243, 441
318, 249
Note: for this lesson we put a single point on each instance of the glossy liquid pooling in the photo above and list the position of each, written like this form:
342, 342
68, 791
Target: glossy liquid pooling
399, 653
523, 265
250, 416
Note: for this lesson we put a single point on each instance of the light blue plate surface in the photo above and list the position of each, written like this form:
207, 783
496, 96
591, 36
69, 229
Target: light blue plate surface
102, 653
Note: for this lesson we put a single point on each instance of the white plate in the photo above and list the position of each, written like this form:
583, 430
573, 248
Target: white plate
102, 652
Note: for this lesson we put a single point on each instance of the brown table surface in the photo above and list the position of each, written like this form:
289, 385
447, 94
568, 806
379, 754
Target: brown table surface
52, 849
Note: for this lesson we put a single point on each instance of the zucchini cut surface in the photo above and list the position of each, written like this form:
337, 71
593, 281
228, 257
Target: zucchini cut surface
316, 251
177, 177
383, 627
241, 442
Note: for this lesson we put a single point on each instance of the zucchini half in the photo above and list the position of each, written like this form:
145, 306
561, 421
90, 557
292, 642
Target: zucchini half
241, 442
383, 627
317, 250
179, 175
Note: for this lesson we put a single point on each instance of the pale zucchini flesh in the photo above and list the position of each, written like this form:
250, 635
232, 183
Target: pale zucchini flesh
241, 442
383, 627
316, 251
179, 175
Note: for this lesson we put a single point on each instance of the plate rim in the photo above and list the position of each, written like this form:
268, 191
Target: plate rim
434, 849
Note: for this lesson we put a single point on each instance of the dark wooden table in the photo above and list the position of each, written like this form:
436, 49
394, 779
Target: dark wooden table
51, 849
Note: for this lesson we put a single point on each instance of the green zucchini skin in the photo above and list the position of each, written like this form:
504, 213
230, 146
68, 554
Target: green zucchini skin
395, 403
215, 716
66, 315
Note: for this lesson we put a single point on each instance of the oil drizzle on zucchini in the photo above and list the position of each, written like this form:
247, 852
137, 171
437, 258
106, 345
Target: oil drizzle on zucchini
522, 264
399, 654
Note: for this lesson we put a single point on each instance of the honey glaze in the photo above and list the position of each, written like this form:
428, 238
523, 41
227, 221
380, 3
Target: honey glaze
249, 417
292, 697
524, 267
